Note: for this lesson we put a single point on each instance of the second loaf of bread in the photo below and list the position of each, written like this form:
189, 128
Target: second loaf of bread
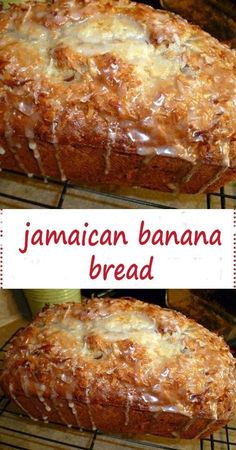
122, 366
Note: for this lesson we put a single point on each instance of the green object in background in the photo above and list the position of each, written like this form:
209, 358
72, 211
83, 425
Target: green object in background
38, 298
7, 3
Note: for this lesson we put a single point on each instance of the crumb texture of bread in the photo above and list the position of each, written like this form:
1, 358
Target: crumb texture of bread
122, 365
115, 92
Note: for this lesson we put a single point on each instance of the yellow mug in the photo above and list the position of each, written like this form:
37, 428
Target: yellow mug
38, 298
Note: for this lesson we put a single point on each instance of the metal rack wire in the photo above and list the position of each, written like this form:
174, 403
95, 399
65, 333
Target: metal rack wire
223, 197
19, 432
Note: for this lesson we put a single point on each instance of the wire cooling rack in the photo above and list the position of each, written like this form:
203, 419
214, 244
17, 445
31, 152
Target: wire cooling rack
17, 431
17, 190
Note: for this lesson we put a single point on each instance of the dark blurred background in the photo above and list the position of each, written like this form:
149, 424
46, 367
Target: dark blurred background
215, 16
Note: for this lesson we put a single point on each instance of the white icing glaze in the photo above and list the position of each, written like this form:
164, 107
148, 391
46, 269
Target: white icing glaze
128, 406
57, 406
88, 403
16, 400
8, 131
29, 134
67, 311
45, 404
112, 135
25, 108
193, 170
137, 136
66, 379
25, 384
27, 14
73, 408
33, 147
149, 398
57, 154
40, 389
225, 151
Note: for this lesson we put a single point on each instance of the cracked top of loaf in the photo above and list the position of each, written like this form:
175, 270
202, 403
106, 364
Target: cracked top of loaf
116, 75
115, 351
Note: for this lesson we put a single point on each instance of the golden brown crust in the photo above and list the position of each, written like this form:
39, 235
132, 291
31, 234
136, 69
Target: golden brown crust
128, 358
116, 92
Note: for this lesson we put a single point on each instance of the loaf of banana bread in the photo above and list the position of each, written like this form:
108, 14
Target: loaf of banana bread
122, 365
115, 92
